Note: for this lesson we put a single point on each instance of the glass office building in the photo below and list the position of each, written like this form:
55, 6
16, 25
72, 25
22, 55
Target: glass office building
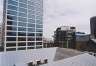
22, 26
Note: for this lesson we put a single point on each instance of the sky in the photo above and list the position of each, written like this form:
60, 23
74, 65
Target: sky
66, 13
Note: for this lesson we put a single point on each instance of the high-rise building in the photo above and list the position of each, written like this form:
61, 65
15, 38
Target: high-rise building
64, 37
93, 26
22, 26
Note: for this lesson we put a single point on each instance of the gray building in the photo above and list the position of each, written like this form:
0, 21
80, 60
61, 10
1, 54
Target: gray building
22, 26
64, 37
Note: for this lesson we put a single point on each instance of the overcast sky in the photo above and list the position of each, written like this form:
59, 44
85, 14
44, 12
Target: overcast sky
67, 12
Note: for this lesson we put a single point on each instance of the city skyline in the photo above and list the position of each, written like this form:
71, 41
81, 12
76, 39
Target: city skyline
67, 13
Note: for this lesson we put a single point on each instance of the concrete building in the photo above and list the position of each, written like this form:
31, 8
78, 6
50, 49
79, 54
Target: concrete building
22, 26
64, 36
93, 26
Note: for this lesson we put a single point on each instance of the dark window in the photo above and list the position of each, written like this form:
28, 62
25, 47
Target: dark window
21, 34
31, 25
12, 23
11, 12
12, 2
38, 34
30, 47
11, 28
11, 33
10, 17
21, 29
39, 30
11, 49
38, 47
11, 38
39, 26
38, 43
39, 39
23, 48
10, 44
39, 63
22, 44
31, 43
46, 61
21, 39
31, 20
30, 64
31, 34
31, 39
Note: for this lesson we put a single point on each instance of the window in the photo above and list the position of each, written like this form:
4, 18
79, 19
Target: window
31, 43
23, 1
38, 43
23, 14
22, 48
21, 38
11, 38
23, 5
11, 33
10, 44
38, 34
12, 12
22, 10
11, 49
12, 2
12, 23
31, 20
22, 19
12, 28
39, 30
12, 7
31, 29
31, 39
31, 25
30, 15
30, 64
21, 34
21, 24
10, 17
39, 26
31, 34
21, 29
22, 44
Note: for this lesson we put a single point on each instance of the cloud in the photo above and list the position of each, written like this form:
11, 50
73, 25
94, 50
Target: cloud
68, 12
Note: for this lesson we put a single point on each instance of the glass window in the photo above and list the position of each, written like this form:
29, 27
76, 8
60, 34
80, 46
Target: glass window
39, 26
23, 14
39, 21
11, 12
22, 10
22, 44
31, 29
31, 3
31, 39
11, 33
31, 20
38, 39
11, 38
39, 30
10, 44
12, 2
31, 34
12, 7
22, 19
21, 29
11, 23
31, 12
31, 25
23, 1
38, 34
10, 17
31, 7
31, 16
12, 28
30, 47
22, 48
23, 5
21, 24
31, 43
38, 47
21, 34
21, 38
11, 49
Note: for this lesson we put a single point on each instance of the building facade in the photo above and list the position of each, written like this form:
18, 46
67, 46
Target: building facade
22, 26
64, 37
93, 26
